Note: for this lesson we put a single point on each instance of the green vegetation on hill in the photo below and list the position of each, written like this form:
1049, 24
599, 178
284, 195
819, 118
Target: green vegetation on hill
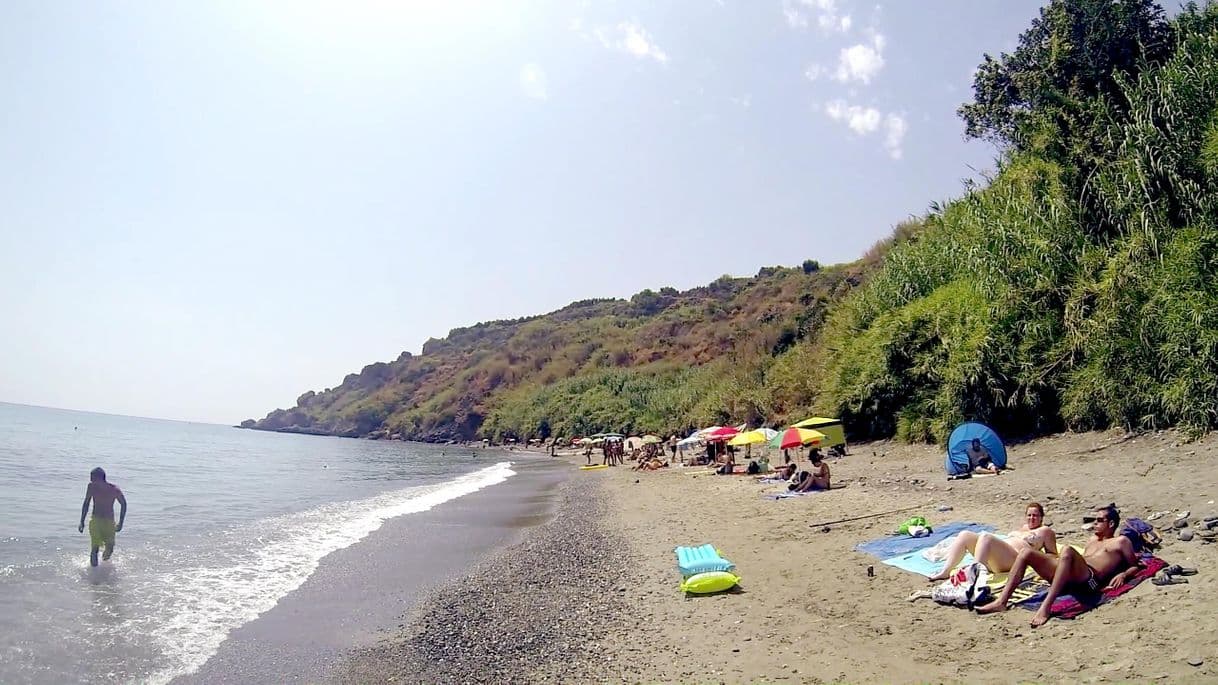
1077, 288
658, 361
1074, 289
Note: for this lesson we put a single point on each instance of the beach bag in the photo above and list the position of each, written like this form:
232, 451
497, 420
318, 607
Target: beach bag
1141, 534
964, 588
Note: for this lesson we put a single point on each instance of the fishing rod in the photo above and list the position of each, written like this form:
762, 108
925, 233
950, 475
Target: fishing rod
867, 516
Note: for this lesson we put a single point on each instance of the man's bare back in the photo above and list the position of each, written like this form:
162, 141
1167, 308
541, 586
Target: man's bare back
104, 495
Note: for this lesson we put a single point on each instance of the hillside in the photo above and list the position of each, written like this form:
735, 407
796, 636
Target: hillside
1075, 289
489, 369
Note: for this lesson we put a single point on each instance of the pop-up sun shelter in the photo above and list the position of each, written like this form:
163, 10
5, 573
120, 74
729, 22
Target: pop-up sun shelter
835, 434
957, 462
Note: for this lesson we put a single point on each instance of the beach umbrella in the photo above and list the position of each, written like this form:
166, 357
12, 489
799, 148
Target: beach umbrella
814, 422
694, 439
748, 438
634, 442
796, 437
723, 433
651, 439
769, 433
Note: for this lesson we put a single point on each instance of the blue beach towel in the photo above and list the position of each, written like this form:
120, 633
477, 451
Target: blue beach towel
914, 562
891, 546
691, 560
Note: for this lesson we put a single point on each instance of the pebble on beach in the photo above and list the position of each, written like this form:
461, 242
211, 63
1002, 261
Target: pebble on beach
530, 613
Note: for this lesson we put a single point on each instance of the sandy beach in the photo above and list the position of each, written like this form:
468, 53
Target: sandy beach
593, 595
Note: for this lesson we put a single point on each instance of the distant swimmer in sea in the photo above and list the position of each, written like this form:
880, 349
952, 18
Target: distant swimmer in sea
101, 526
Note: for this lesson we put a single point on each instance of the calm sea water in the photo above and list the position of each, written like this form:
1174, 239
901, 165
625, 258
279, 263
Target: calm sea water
221, 524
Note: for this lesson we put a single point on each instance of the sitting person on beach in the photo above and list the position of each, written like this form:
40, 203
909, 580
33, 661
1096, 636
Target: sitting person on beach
979, 459
817, 478
729, 465
999, 555
783, 472
1107, 562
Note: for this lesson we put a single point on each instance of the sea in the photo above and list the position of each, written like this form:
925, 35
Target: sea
222, 524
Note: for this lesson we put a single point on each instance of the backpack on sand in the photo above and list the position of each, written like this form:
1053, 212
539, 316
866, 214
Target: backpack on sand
964, 588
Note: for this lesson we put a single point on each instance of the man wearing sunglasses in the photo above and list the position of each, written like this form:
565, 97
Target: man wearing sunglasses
1107, 562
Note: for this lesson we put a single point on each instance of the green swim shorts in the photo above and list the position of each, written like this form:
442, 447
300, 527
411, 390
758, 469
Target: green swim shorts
101, 532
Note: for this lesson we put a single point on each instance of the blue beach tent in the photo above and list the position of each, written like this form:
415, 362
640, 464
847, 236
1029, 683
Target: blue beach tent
960, 440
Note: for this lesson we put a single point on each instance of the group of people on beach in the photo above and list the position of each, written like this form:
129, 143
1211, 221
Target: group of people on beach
815, 477
1107, 561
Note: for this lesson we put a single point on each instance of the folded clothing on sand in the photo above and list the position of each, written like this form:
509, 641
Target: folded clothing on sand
1069, 606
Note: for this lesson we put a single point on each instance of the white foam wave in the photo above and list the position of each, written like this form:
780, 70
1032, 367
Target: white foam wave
205, 603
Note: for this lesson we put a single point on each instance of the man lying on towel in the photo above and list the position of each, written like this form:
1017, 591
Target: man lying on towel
1107, 562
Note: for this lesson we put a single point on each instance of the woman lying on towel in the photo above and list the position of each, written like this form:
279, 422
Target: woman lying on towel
999, 554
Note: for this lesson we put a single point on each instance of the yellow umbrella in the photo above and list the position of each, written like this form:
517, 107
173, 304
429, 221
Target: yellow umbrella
814, 422
651, 439
747, 438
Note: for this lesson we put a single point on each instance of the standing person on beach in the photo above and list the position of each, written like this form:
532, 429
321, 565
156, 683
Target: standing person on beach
101, 526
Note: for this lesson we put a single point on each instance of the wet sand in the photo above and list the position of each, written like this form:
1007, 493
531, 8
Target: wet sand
360, 592
541, 610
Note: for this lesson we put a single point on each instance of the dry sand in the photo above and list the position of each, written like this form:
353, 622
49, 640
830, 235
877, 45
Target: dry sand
808, 612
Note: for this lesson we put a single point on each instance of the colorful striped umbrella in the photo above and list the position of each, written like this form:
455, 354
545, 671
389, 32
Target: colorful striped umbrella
796, 437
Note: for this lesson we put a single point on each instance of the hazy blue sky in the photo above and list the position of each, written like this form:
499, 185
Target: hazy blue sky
210, 207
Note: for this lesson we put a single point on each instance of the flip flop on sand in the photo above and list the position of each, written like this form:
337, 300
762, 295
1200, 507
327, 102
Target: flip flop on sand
1178, 570
1162, 578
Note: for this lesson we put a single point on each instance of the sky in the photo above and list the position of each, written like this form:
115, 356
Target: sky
210, 208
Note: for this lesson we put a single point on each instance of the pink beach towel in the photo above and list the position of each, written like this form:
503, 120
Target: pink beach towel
1069, 606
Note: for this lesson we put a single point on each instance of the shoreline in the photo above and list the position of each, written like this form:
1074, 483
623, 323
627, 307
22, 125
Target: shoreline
590, 593
539, 610
360, 591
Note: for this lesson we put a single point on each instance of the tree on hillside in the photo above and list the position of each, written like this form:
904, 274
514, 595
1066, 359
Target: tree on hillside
1037, 97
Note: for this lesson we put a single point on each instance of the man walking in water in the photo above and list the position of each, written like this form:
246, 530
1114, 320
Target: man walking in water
101, 525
